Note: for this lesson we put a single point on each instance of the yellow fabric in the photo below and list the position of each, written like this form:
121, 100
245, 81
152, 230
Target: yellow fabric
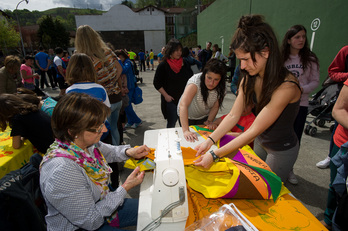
10, 158
286, 213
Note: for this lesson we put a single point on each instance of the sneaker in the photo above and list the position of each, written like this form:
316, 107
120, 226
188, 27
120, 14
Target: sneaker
54, 88
324, 163
292, 178
127, 125
135, 125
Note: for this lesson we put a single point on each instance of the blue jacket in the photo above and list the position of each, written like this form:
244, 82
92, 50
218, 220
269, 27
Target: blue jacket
127, 69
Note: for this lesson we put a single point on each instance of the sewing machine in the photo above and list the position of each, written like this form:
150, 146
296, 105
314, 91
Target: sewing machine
167, 184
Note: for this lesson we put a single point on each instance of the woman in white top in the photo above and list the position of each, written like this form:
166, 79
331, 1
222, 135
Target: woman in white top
202, 97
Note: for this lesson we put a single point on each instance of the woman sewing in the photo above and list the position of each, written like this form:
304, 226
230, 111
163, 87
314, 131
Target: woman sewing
74, 173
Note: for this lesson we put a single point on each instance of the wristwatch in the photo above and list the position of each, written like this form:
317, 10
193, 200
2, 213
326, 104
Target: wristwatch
215, 157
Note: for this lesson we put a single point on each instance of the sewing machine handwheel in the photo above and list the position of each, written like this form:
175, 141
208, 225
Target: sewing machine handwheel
170, 177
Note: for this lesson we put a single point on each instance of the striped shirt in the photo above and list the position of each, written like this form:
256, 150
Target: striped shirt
93, 89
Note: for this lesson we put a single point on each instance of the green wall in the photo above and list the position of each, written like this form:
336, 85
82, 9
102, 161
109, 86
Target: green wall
221, 18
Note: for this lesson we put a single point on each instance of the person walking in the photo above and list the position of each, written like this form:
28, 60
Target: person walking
141, 55
133, 119
170, 80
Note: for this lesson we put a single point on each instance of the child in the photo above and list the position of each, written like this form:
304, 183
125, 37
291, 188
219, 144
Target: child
26, 121
245, 121
82, 77
28, 75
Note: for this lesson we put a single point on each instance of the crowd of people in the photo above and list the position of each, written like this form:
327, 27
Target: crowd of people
81, 132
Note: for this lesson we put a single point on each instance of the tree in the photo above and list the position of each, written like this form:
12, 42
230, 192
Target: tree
128, 3
9, 38
52, 33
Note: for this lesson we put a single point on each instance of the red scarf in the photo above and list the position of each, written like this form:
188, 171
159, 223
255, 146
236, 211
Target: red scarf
175, 64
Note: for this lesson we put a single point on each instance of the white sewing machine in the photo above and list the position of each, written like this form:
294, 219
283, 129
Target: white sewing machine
167, 184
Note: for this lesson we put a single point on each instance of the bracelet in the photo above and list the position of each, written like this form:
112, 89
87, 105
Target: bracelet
211, 139
125, 152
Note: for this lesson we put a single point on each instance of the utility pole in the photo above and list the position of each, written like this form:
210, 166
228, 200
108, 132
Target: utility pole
19, 26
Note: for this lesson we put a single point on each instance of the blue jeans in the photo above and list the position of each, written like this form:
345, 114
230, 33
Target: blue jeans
130, 113
331, 203
127, 215
172, 114
113, 118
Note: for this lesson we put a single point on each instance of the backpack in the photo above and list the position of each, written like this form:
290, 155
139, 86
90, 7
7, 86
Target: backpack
22, 206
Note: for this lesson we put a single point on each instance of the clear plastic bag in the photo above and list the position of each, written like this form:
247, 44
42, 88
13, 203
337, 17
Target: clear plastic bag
228, 218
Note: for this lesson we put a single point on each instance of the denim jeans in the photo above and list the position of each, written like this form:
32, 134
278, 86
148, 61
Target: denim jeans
113, 118
172, 114
130, 113
127, 214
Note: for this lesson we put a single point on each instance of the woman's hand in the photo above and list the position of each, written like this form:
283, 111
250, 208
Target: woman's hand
168, 98
210, 125
203, 147
205, 160
138, 152
190, 136
135, 178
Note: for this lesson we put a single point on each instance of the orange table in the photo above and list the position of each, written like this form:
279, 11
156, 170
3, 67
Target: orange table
10, 158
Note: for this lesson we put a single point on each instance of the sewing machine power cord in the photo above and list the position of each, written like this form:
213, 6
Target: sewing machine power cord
157, 222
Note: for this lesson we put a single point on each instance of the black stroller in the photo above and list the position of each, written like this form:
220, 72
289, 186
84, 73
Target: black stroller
321, 107
136, 72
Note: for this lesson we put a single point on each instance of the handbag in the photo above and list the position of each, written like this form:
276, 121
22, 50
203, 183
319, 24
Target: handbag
137, 97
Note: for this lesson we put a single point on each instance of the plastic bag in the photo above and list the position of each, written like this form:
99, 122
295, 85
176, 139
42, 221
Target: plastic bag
228, 218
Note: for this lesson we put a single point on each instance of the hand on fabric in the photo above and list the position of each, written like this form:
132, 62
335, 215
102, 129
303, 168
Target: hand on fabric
190, 136
205, 160
138, 152
168, 98
203, 147
212, 126
135, 178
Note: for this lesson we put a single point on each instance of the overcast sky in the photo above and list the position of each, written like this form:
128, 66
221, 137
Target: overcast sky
42, 5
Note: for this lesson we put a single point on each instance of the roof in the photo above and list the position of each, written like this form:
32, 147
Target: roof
170, 10
4, 14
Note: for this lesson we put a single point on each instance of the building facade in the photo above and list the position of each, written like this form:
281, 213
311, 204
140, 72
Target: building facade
124, 28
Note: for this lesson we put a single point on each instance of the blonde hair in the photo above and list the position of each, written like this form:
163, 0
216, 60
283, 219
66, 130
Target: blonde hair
88, 41
80, 69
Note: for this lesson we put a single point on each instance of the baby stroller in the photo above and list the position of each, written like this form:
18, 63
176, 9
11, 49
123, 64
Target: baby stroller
321, 107
136, 72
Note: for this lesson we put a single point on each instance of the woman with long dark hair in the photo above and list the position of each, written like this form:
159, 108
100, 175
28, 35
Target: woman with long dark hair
203, 97
304, 65
170, 80
275, 93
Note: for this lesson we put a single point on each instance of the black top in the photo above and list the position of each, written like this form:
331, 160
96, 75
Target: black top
173, 83
36, 127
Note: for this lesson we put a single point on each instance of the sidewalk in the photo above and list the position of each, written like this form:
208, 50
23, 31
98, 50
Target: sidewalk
313, 183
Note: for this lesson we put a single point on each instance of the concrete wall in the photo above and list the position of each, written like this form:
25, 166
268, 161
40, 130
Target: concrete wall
120, 19
221, 18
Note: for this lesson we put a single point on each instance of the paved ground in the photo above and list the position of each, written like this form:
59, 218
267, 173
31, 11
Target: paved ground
313, 182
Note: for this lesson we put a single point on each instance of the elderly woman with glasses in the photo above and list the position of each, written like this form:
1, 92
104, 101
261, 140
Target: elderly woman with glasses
74, 173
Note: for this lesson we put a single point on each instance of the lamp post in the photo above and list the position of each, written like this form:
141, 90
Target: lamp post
19, 27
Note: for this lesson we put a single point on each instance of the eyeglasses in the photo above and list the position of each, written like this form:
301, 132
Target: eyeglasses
98, 130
